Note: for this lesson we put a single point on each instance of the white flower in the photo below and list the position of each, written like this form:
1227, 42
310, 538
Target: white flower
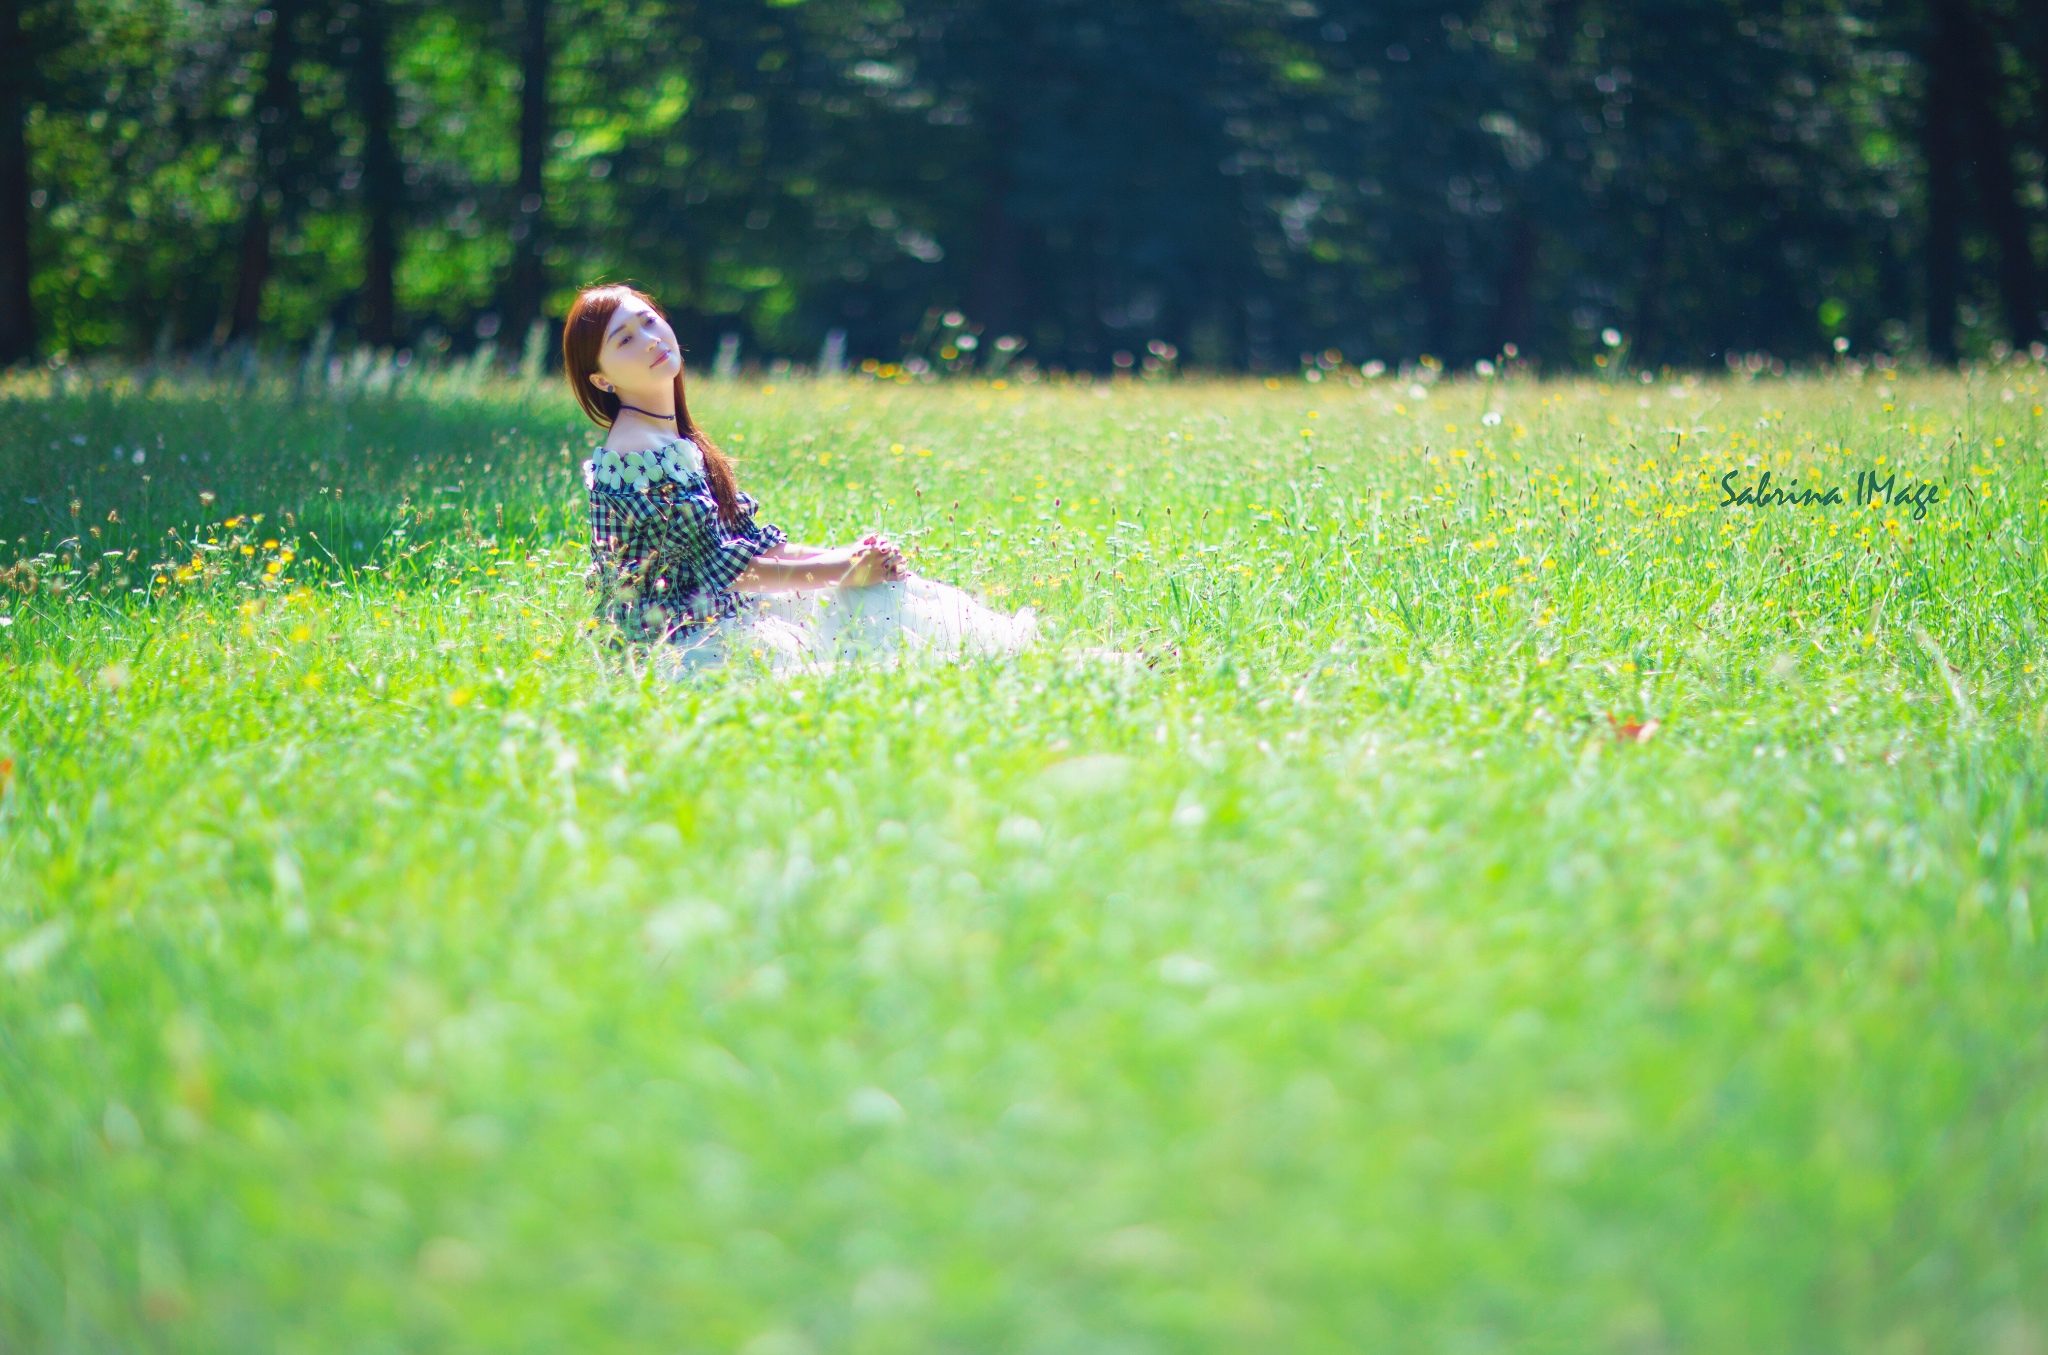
589, 474
639, 468
610, 473
681, 459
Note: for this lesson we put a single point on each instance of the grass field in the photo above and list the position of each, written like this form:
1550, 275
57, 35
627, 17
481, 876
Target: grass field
1520, 904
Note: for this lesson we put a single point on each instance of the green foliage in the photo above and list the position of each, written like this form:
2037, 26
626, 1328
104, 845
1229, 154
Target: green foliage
384, 964
1243, 182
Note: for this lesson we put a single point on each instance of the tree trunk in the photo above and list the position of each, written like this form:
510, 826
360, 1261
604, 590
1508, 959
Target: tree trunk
1551, 94
1991, 173
17, 312
1646, 345
995, 291
382, 187
276, 113
1516, 286
1941, 142
529, 271
252, 270
1439, 319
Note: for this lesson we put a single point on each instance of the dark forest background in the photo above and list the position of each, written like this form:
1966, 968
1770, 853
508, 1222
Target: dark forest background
1228, 183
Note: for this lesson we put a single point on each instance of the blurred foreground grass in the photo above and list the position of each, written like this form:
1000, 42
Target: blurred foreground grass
1520, 904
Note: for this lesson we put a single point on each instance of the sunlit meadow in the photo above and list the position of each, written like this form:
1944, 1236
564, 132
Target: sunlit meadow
1507, 899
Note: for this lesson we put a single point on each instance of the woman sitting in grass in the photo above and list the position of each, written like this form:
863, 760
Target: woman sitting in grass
678, 558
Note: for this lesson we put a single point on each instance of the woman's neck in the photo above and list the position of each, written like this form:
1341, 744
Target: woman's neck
651, 407
634, 430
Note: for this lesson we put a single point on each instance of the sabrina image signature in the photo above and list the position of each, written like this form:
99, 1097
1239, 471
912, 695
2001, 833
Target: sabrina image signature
1917, 495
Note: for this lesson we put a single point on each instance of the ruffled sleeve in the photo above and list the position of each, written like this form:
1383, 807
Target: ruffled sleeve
709, 552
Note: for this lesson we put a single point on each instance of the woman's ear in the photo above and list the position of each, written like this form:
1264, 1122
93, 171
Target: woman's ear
597, 380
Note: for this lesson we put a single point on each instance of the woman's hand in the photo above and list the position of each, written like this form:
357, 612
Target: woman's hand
871, 565
892, 554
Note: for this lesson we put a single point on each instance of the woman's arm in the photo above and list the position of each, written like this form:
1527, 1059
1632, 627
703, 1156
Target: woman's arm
857, 567
793, 550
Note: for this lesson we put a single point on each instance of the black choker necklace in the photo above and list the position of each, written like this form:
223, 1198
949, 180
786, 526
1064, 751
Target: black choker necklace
648, 412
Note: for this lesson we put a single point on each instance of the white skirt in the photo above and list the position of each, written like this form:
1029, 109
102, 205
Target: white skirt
911, 618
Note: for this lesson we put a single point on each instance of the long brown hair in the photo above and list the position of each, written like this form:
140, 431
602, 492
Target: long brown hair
583, 338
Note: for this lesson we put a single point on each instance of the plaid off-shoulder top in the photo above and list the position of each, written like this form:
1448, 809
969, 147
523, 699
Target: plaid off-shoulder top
662, 561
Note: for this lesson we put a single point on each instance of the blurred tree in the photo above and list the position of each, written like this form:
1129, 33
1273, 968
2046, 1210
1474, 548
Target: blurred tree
527, 289
17, 76
1969, 152
1980, 78
366, 54
1099, 206
1251, 183
277, 110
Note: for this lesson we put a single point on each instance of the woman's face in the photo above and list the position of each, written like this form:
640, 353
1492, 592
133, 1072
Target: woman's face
639, 354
